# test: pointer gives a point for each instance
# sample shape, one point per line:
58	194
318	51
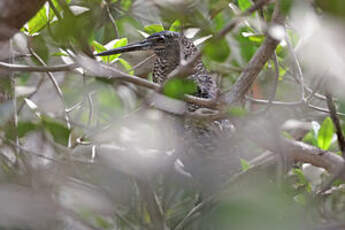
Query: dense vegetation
92	143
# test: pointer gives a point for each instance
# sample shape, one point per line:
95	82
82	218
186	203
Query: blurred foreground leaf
154	28
237	111
127	66
59	131
333	7
244	4
285	6
177	87
245	164
217	50
38	22
175	26
325	135
22	129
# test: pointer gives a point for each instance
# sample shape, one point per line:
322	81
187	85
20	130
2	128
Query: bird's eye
160	39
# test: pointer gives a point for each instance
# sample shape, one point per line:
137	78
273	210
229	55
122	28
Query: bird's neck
166	61
169	58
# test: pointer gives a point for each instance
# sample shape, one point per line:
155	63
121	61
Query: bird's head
160	43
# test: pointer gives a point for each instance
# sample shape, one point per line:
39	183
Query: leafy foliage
325	134
121	155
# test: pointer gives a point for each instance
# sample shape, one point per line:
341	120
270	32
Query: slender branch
152	204
275	103
112	20
26	68
336	122
323	110
14	100
341	140
38	86
255	65
56	86
308	89
297	67
143	62
292	103
276	79
314	92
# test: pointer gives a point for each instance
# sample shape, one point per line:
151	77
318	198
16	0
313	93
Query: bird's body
201	137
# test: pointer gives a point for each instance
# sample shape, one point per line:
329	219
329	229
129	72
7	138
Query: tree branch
26	68
255	65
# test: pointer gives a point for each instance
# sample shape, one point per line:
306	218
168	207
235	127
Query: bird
201	137
170	47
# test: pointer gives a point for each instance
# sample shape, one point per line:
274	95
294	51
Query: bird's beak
143	45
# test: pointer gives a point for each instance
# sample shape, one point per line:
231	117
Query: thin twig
340	137
276	79
14	100
25	68
323	110
275	103
142	62
297	68
314	92
308	89
56	86
91	108
56	12
336	122
112	20
38	86
152	204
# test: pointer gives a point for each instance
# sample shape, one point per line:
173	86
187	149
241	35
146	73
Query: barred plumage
202	138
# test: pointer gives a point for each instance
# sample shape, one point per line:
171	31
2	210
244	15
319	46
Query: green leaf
237	111
325	134
282	72
39	45
178	87
102	223
39	21
175	26
300	176
244	4
59	54
256	38
154	28
119	43
127	66
22	129
310	138
333	7
285	6
245	165
217	50
98	46
219	21
247	46
58	130
300	199
126	4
